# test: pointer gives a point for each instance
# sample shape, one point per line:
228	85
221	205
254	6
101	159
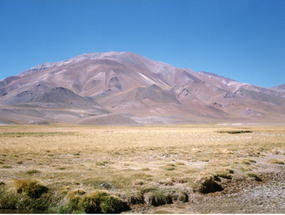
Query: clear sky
239	39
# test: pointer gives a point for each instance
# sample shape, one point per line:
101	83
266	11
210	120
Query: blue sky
240	39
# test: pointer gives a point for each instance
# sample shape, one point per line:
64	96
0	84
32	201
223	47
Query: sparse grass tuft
245	169
137	183
222	174
204	159
253	175
169	167
179	163
276	161
234	132
7	167
31	172
102	163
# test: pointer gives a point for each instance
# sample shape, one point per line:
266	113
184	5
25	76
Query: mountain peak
78	58
94	87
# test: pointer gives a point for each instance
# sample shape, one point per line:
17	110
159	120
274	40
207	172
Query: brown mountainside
125	88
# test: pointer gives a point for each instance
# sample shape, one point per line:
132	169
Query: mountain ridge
135	90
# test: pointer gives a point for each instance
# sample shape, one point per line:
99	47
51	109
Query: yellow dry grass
128	158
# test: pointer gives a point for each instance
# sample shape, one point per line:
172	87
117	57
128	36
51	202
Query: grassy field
64	169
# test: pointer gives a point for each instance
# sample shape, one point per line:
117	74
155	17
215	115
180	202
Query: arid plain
142	169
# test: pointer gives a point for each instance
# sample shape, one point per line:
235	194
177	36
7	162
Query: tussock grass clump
204	160
245	169
147	189
94	202
64	190
31	187
235	132
154	196
248	161
7	167
205	183
253	175
230	171
276	161
180	163
223	174
31	172
142	176
169	167
61	168
157	198
72	205
180	180
103	163
166	182
100	201
75	192
138	182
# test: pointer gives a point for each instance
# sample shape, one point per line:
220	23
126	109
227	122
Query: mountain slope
126	88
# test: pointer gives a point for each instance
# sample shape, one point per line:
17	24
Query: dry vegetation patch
151	165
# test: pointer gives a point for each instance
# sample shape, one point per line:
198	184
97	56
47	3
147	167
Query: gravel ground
261	199
240	196
269	199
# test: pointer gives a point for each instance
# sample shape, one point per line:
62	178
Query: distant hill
121	88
